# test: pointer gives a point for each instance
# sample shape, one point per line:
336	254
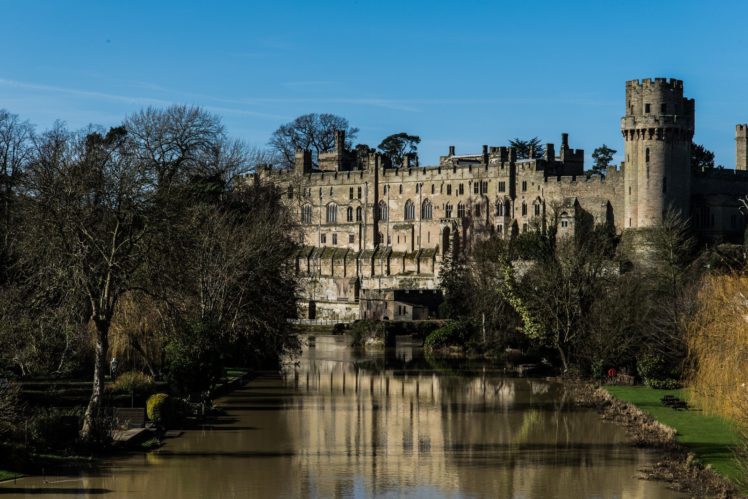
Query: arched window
349	214
426	210
306	214
507	208
499	209
410	210
358	214
448	211
524	208
332	213
460	210
537	208
383	211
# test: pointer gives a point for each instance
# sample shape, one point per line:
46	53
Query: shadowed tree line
143	238
578	302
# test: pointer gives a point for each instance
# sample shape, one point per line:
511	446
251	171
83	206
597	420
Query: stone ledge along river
340	424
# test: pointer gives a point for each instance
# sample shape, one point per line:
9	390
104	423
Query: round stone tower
657	129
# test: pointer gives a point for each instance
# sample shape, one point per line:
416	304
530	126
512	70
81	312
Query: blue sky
456	73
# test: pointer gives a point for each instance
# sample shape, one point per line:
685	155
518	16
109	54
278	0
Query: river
337	424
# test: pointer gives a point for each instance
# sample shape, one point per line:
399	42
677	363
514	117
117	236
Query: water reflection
337	424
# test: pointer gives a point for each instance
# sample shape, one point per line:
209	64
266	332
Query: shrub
664	384
194	361
656	371
160	409
452	333
9	406
362	330
54	428
133	382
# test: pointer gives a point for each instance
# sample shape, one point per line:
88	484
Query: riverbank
695	450
27	463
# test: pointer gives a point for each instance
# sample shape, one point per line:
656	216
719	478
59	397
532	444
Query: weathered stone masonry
372	227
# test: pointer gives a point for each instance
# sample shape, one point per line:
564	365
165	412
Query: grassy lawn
234	372
711	438
9	475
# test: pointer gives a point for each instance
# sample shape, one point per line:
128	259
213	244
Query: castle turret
657	129
741	147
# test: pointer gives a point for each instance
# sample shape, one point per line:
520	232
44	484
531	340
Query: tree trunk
93	410
564	362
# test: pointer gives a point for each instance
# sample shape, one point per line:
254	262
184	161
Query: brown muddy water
337	424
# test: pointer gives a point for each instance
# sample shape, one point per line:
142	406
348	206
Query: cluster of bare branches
137	233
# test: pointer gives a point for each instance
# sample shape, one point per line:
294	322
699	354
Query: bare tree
101	206
16	141
315	132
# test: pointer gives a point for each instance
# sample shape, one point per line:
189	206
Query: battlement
670	83
741	130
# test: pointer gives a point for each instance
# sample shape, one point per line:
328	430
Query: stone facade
368	226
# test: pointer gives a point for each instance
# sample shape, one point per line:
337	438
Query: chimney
451	150
303	161
564	141
485	154
550	152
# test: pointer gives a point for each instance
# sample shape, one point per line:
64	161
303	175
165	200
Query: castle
374	235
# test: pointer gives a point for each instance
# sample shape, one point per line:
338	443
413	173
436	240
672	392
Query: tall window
476	187
401	188
349	214
383	211
358	214
524	208
537	209
410	210
524	185
460	210
462	189
359	193
350	193
306	214
477	210
484	187
502	186
499	209
448	211
433	189
646	155
332	213
449	189
426	210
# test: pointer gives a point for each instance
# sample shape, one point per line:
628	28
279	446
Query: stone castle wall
367	226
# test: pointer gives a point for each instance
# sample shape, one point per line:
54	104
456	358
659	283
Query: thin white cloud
82	93
138	100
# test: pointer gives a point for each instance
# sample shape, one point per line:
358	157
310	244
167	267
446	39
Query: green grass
9	475
712	438
234	372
